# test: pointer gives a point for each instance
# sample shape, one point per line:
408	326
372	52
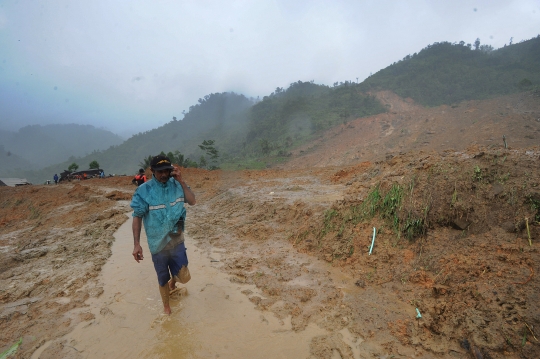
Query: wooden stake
528	231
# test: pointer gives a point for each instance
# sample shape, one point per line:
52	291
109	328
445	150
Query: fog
130	66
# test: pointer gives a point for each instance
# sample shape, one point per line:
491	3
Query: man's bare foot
167	310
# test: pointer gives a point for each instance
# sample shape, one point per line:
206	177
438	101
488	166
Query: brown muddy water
214	320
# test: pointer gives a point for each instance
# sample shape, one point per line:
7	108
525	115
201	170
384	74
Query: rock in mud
360	283
32	253
255	299
508	227
106	311
460	223
439	289
479	154
476	352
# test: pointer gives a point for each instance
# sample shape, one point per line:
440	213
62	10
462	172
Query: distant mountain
41	146
11	164
220	116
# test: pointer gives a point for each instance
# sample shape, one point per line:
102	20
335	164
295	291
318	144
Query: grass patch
34	213
535	204
388	205
477	173
328	224
300	237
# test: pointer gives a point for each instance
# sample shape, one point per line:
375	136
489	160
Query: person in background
159	204
102	174
139	178
55	178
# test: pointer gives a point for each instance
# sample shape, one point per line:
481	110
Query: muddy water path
213	320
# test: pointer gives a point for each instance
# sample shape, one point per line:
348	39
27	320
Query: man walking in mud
159	204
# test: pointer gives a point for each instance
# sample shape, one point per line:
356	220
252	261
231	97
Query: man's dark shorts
169	261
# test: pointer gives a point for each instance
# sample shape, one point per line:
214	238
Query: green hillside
288	117
445	73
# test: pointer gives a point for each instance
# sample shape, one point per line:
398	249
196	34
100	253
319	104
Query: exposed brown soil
408	127
456	247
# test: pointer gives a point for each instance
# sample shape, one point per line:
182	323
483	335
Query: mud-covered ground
457	238
469	268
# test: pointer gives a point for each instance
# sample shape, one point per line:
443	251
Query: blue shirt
160	205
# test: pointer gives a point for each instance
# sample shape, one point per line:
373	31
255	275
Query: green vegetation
446	73
145	163
477	176
94	165
176	159
328	226
73	167
208	147
535	204
288	117
387	204
11	350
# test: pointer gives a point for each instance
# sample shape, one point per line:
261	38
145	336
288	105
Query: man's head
161	167
141	171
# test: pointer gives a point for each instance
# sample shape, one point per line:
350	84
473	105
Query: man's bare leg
164	291
172	283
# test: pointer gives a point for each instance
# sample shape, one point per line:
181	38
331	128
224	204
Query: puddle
40	350
214	320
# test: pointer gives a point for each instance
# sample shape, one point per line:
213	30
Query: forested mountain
244	130
41	146
445	73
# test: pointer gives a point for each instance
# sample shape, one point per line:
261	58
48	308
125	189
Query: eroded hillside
408	127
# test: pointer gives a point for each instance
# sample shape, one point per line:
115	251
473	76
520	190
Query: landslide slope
409	127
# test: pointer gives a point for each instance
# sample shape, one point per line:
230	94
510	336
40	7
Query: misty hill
12	162
247	130
445	73
288	117
41	146
220	116
241	128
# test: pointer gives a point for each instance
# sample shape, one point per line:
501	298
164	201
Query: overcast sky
130	66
